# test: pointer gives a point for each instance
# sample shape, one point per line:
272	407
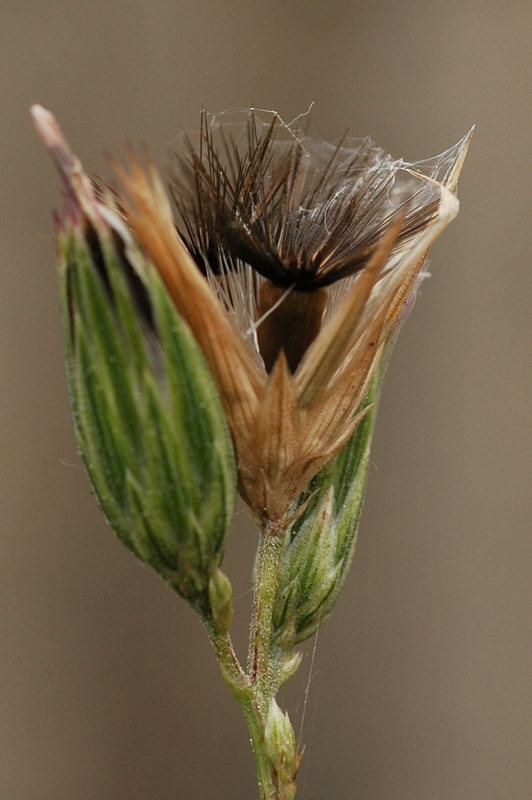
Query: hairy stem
255	690
240	686
269	556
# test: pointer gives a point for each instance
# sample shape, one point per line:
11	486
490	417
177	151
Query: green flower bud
320	545
150	427
221	600
289	666
280	744
149	423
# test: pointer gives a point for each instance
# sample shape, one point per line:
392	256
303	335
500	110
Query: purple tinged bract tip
78	185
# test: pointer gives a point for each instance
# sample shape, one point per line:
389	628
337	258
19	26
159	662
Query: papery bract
288	420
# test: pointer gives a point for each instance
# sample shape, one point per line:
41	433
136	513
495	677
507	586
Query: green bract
149	424
281	748
320	545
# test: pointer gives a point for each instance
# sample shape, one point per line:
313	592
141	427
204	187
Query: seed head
310	252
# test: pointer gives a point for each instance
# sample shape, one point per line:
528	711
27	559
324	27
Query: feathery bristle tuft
303	215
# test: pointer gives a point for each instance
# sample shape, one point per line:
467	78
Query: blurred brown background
421	685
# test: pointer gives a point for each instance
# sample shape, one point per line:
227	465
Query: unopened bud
221	600
280	742
319	547
149	423
289	666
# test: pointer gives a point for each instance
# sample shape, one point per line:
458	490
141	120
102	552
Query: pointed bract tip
50	132
78	186
43	119
463	146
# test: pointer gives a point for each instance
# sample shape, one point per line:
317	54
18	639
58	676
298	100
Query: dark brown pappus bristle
297	222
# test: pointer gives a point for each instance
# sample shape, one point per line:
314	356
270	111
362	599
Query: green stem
240	686
255	690
269	557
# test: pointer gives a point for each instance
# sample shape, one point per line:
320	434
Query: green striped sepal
149	423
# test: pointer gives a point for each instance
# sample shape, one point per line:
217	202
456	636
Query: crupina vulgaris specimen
236	343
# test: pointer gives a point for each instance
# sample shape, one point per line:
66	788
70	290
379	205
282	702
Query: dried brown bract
311	252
